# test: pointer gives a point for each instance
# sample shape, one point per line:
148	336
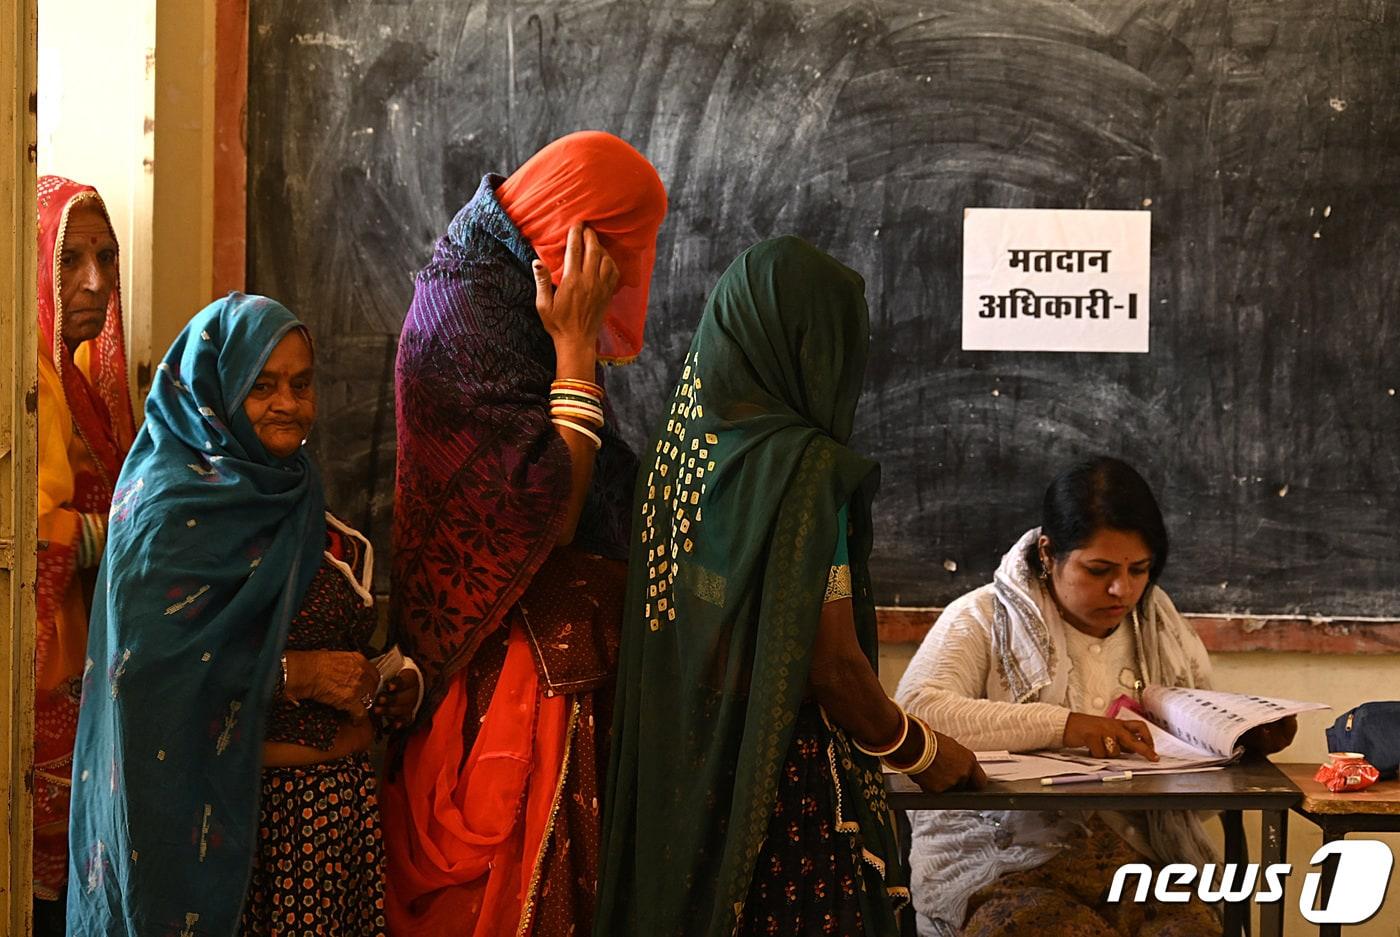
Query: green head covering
734	532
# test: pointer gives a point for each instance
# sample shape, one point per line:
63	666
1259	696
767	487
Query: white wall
126	104
95	93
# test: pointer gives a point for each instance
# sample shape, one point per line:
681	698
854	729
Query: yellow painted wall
184	167
1341	682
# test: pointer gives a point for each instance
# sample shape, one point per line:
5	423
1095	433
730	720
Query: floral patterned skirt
812	877
1066	896
320	863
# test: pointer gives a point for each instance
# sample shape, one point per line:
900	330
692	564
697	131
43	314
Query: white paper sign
1055	279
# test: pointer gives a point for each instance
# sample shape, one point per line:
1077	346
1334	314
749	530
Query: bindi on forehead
87	227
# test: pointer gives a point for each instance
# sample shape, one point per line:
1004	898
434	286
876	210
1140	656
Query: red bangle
583	387
889	749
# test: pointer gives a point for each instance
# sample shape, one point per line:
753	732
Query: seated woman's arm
845	685
945	683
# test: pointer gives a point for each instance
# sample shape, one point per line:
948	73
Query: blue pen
1081	778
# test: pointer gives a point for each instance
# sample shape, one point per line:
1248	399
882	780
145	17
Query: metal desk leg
1273	849
1329	874
1237	852
904	833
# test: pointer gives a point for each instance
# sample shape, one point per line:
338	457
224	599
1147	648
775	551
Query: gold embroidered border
838	584
527	910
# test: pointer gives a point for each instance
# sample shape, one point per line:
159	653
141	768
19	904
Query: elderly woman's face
1098	584
87	272
282	404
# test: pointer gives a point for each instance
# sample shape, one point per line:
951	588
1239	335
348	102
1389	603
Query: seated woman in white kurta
1073	620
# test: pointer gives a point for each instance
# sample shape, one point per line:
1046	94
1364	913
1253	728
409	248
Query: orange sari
467	866
491	815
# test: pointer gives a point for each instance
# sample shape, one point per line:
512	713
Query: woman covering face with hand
85	429
222	780
1073	620
510	528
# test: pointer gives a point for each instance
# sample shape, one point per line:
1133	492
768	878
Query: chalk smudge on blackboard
840	119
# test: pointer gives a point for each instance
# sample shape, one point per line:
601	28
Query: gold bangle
930	752
889	749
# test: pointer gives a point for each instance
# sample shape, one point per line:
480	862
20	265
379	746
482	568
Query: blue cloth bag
1373	730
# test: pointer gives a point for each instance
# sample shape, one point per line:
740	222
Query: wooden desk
1251	785
1374	810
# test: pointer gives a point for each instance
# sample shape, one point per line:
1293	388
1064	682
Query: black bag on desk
1372	729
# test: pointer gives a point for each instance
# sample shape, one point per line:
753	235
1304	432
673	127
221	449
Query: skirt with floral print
1068	896
320	863
808	879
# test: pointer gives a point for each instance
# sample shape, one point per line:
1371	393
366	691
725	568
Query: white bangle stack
573	403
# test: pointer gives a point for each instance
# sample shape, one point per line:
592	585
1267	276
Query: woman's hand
394	705
954	767
343	679
1109	738
1272	737
573	312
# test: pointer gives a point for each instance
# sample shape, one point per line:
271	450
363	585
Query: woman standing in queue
744	791
510	530
222	781
85	429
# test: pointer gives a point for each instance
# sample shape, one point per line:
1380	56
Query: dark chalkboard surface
1263	135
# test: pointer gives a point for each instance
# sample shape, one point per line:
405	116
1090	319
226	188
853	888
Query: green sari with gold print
734	532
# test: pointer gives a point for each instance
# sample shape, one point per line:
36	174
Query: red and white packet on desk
1348	771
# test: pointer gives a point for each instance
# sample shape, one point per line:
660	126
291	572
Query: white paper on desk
1030	767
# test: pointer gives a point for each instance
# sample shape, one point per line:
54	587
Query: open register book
1192	730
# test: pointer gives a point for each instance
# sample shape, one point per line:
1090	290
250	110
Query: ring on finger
1110	744
367	701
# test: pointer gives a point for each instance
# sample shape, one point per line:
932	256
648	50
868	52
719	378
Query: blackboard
1264	136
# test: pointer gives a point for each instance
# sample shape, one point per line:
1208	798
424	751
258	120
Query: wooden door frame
19	51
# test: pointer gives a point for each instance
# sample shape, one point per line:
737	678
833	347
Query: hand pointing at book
1109	738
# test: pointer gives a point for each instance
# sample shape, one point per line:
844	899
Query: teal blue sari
212	542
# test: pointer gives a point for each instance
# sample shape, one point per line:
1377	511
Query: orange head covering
599	180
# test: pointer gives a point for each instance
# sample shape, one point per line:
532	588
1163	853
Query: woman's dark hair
1096	494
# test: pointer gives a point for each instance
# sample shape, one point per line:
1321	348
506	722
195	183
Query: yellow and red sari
85	429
